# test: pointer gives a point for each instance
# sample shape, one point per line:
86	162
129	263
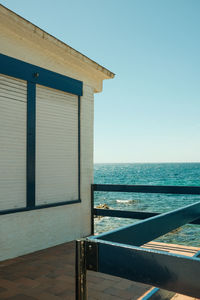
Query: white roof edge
105	73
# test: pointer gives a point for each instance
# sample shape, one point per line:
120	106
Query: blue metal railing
119	252
178	190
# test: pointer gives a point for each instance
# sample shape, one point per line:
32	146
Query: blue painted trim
31	131
19	69
36	75
117	213
172	272
155	189
157	290
197	254
150	294
23	209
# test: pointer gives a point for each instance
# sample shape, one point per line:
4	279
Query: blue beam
155	189
156	293
144	231
123	213
168	271
118	213
17	68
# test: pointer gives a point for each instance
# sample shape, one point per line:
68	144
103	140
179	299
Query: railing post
92	209
81	285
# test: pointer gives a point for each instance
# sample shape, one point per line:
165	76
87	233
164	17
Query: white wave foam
125	201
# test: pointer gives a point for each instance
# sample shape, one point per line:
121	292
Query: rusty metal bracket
92	256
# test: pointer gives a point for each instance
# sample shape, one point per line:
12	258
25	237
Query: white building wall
26	232
87	133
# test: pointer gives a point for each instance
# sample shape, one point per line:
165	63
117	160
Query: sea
182	174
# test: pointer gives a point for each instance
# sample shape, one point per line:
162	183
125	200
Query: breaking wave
125	201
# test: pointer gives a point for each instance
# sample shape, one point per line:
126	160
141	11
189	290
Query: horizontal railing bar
167	271
155	189
157	293
123	213
141	215
147	230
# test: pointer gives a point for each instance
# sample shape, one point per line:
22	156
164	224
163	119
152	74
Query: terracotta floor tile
9	293
21	297
7	284
2	289
65	278
26	283
50	275
59	287
67	295
47	296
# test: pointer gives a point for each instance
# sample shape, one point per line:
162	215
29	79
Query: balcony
120	264
122	252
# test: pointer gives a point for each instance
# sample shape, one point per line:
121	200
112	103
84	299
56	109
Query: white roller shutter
13	102
56	146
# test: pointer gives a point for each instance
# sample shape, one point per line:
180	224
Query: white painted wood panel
56	146
13	104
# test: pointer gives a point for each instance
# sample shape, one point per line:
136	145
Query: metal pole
81	285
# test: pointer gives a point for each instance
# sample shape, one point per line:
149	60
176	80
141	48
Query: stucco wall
26	232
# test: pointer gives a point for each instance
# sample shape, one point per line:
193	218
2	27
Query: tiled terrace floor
49	275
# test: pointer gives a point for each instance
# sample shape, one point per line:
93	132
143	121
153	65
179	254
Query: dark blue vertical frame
35	75
31	130
79	147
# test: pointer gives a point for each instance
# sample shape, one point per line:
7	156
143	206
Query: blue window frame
35	75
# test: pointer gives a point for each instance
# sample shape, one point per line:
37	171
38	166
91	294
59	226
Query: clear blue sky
150	112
